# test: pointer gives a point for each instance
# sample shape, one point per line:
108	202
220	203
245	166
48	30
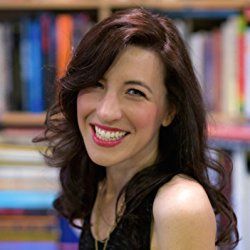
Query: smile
108	137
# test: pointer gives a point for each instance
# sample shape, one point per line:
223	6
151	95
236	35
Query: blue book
24	60
68	235
35	84
37	245
28	245
31	65
26	199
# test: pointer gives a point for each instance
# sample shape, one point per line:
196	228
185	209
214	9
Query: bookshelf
105	7
21	119
111	4
227	131
222	129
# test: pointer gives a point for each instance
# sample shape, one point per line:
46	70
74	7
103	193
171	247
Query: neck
119	175
116	180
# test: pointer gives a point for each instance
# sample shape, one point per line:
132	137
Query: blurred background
37	38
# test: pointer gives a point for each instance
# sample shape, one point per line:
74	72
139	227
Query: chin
102	161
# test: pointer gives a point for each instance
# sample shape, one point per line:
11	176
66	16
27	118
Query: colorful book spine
40	47
35	84
5	65
241	62
64	33
47	22
247	73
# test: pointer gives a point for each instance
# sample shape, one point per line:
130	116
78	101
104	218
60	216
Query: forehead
137	63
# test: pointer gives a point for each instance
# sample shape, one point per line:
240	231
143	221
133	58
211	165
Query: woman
129	134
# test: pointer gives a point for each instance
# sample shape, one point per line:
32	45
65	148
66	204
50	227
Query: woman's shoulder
182	209
181	193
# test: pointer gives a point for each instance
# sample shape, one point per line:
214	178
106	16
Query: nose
109	108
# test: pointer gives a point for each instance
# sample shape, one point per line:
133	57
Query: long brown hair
183	144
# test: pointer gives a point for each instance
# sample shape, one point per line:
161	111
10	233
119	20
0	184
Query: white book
38	172
196	43
20	155
183	28
229	67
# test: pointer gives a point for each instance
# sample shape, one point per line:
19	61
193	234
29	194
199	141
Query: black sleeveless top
87	241
123	237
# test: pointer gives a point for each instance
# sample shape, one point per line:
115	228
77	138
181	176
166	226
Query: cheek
85	103
146	117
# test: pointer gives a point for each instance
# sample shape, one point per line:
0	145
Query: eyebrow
134	82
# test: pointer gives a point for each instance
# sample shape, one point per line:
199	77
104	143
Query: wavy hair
182	145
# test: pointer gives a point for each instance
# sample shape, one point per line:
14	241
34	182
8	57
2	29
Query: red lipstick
104	143
108	128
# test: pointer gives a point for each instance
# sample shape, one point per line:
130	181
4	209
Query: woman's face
120	117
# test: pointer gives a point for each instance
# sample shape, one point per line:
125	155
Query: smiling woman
131	100
129	133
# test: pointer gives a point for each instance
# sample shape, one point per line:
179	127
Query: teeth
107	135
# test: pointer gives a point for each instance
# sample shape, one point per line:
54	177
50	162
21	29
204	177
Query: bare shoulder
183	215
181	194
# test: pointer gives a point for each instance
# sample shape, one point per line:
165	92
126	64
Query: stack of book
27	190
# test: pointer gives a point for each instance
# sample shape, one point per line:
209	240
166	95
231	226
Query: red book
217	69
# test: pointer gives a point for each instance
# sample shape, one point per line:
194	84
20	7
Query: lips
107	136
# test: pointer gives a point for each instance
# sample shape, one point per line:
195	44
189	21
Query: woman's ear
169	117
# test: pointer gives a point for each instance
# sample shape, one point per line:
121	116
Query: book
217	78
39	245
35	85
20	153
48	47
64	35
209	72
247	74
15	95
26	199
81	24
5	65
229	67
197	43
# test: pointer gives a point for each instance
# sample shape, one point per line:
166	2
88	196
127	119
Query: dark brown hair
183	144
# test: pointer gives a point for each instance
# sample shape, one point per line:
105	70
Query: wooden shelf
111	4
196	4
220	126
105	7
47	5
22	119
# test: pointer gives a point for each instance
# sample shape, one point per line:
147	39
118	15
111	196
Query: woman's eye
98	85
136	92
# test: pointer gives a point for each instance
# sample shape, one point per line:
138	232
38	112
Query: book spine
247	74
229	67
35	85
64	36
5	65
